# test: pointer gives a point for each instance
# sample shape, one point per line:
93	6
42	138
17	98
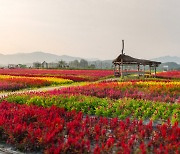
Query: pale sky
91	28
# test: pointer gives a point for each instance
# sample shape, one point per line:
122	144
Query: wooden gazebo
123	59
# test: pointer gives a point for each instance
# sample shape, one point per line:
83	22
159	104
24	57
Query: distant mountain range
170	65
25	58
166	59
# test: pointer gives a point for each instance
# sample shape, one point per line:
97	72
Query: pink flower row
169	74
13	84
75	75
6	86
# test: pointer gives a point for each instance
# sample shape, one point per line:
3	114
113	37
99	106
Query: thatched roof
130	60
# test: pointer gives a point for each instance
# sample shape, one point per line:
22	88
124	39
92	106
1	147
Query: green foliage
123	108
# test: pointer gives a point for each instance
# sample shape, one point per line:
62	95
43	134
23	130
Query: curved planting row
53	80
19	82
11	86
135	109
53	130
169	74
152	90
75	75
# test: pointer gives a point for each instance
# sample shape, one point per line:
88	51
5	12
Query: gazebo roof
130	60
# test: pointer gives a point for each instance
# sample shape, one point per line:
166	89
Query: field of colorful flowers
12	83
54	130
123	108
163	91
75	75
169	74
125	116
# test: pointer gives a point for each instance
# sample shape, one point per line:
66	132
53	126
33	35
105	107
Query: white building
53	65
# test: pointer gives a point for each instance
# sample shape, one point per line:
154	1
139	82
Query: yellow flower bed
51	79
153	83
55	80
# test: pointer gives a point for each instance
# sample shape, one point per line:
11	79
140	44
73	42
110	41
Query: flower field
169	74
74	75
122	108
16	79
54	130
163	91
133	116
12	83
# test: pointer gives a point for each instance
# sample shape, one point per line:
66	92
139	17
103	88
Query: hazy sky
91	28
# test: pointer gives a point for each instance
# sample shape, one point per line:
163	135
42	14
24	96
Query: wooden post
144	71
122	68
122	53
150	69
122	47
138	67
155	70
114	69
119	69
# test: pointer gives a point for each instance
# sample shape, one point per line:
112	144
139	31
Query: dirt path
8	151
3	94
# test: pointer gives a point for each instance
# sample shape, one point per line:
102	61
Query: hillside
166	59
23	58
171	66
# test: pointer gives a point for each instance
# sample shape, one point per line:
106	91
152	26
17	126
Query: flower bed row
11	86
53	80
151	90
75	75
134	109
19	82
169	74
54	130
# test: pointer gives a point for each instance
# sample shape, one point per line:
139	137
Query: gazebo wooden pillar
150	69
122	68
114	68
155	70
144	70
122	58
138	68
117	69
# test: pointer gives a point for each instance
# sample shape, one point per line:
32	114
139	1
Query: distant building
53	65
44	65
12	66
165	68
37	65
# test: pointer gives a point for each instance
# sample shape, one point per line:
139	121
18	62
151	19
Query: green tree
62	64
83	63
